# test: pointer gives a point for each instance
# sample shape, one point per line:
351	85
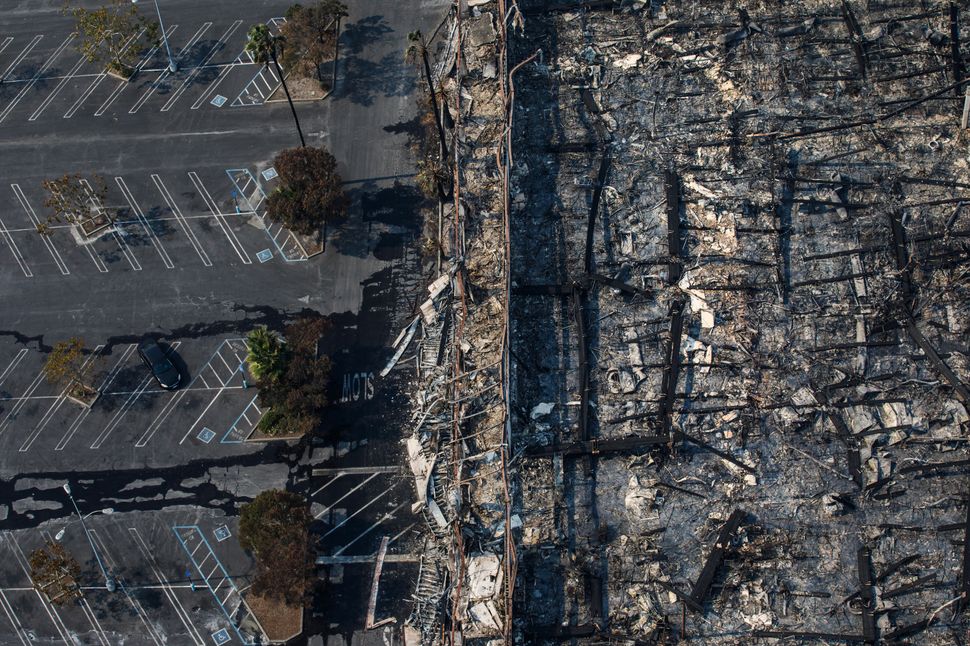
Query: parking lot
190	260
46	78
177	574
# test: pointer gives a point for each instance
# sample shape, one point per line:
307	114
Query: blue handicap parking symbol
264	255
206	434
221	637
219	100
222	533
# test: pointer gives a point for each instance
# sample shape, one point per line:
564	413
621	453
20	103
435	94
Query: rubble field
695	368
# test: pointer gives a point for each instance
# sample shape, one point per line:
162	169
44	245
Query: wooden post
966	109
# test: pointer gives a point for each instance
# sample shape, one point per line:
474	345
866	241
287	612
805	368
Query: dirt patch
301	89
279	621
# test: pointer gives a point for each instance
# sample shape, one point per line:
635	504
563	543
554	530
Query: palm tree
266	356
264	47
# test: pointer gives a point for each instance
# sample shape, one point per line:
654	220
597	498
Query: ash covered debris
739	281
694	364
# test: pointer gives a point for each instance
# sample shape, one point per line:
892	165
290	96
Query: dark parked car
164	371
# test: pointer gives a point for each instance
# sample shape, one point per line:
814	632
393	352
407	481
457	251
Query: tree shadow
398	207
357	35
361	81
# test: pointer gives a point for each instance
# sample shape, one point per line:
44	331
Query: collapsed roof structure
696	365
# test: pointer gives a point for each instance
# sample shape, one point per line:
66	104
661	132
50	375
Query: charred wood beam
941	367
590	104
909	588
906	274
589	5
672	371
965	574
616	284
906	631
836	279
562	633
542	290
674	238
867	594
714	560
933	466
683	596
858	40
719	453
798	634
594	210
579	316
572	147
597	446
956	61
856	344
855	461
890	570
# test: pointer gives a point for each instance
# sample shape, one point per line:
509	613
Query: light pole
172	67
109	581
108	510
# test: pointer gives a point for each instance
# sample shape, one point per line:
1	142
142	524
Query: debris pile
695	365
739	304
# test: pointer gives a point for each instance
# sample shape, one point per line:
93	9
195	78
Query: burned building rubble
695	368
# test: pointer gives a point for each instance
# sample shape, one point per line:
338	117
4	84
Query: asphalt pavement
191	262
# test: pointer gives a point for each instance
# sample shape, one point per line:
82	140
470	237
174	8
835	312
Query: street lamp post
109	581
108	510
172	67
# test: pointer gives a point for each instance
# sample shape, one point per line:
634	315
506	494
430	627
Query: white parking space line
133	205
199	418
36	222
93	620
113	423
113	566
213	370
23	54
13	364
183	615
51	611
347	519
377	524
98	78
118	236
165	73
54	407
6	111
219	217
123	84
339	500
57	89
127	406
96	259
22	402
181	219
11	615
5	43
244	58
330	482
5	235
212	52
83	415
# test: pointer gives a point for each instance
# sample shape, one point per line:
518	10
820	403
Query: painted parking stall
46	77
160	222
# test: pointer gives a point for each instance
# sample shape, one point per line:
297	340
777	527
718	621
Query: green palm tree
266	356
264	47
